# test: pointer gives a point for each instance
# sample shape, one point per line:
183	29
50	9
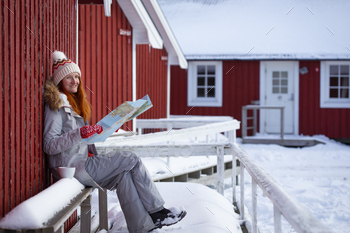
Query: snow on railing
285	205
300	218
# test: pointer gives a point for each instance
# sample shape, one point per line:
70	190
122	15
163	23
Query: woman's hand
89	130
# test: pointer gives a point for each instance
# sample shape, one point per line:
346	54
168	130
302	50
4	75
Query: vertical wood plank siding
334	123
30	30
152	80
240	87
105	59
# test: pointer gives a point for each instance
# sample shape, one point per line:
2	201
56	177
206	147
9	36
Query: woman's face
71	82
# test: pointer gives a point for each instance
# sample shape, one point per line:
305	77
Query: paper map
116	118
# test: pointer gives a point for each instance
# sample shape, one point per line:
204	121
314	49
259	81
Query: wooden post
244	122
234	165
282	123
277	219
242	190
85	224
103	208
220	169
254	207
255	125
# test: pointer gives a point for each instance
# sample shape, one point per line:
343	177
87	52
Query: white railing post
277	219
282	123
103	208
220	169
234	200
254	207
140	131
242	189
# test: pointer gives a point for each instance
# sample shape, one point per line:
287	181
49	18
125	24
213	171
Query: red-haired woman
65	126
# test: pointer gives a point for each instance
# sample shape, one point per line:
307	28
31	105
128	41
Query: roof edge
141	22
268	57
159	19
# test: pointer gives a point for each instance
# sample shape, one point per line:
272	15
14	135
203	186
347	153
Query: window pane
344	70
344	82
211	81
200	69
200	92
275	90
284	90
211	69
275	74
200	81
284	74
211	92
344	93
333	70
333	81
275	82
284	82
333	93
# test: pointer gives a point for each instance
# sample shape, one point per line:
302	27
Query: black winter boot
165	217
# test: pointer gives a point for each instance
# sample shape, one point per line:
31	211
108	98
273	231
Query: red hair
78	100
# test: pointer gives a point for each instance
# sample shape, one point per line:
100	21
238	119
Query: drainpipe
133	76
168	90
77	34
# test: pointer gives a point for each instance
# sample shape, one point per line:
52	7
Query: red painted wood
2	188
27	28
152	80
106	67
315	120
240	87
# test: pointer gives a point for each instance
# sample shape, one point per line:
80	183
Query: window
335	84
205	84
280	82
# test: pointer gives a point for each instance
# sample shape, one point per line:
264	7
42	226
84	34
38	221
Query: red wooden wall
240	87
105	59
30	30
334	123
152	80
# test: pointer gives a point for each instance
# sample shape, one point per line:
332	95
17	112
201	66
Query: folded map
116	118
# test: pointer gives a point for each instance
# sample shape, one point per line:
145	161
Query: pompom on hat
62	66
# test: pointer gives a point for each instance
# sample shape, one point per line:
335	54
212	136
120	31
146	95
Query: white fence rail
301	219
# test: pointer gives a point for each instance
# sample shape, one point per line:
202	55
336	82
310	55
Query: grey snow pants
137	193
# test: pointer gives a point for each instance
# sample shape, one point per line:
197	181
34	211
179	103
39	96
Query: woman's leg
126	172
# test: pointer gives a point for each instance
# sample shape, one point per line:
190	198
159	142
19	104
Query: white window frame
325	101
192	99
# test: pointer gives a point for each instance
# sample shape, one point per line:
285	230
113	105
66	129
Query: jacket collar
55	99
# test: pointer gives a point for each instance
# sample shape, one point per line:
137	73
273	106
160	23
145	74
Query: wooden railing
300	219
285	205
245	118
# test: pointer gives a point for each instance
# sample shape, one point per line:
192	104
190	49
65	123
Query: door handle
291	97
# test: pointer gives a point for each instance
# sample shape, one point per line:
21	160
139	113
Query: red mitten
89	130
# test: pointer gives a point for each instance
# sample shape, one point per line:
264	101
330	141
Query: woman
65	126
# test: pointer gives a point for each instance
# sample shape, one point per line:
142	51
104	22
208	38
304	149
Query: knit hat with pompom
62	66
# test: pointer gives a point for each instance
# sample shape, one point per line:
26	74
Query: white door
279	91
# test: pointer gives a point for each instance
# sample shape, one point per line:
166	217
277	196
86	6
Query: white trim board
144	30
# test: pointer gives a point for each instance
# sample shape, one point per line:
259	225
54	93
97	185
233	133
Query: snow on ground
318	177
207	211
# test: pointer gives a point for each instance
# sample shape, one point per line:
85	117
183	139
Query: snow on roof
269	29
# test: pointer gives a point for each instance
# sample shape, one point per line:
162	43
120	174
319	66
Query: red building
265	53
122	57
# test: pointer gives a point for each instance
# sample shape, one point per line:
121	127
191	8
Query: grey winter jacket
61	137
